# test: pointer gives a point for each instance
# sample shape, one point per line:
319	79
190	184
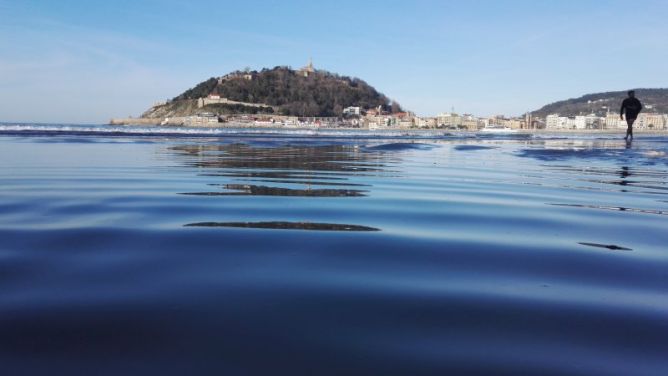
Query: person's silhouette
632	107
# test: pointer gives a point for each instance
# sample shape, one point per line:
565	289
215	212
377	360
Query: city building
613	121
426	122
651	121
352	111
448	120
470	122
554	121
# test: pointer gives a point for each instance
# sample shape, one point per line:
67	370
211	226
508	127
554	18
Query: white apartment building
426	122
651	121
613	121
448	119
352	111
645	121
555	121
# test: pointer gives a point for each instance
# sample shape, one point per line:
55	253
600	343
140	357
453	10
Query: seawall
176	120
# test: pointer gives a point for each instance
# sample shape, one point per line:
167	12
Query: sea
209	251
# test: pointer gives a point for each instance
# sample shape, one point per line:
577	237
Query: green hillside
290	92
655	100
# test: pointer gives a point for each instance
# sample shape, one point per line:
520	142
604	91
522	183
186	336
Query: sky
86	61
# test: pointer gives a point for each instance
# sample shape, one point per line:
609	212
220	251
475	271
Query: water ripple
228	253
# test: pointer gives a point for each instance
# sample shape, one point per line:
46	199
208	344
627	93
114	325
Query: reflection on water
597	165
614	208
293	164
259	190
563	149
328	158
618	150
286	226
305	182
287	170
314	256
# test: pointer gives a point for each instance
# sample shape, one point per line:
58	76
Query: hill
281	90
655	100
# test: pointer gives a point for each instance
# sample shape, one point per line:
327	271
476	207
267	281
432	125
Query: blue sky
87	61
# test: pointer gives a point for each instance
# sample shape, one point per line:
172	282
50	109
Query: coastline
238	125
212	127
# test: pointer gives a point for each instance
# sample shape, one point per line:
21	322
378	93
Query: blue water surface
172	251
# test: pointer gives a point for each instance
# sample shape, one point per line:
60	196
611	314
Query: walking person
632	107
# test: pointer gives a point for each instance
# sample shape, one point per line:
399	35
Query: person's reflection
624	173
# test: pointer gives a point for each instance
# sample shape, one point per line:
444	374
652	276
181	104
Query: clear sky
85	61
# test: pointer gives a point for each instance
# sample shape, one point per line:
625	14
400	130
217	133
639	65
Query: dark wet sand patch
398	146
473	147
287	226
611	247
259	190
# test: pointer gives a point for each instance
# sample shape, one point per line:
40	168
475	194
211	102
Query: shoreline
253	126
242	126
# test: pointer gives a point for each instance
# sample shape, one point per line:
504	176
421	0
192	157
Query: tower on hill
308	69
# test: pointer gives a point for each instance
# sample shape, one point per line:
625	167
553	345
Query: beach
172	250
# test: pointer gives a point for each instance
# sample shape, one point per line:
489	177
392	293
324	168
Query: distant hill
281	90
655	100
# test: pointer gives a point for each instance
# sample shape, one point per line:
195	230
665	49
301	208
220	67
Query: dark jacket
632	107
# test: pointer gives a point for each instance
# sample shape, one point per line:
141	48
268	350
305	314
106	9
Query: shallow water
180	251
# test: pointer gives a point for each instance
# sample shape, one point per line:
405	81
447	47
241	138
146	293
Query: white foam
654	154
